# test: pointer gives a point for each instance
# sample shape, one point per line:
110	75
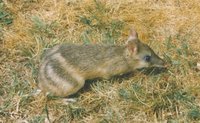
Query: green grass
96	21
6	19
5	16
149	95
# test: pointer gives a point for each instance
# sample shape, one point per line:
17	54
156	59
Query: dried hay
42	22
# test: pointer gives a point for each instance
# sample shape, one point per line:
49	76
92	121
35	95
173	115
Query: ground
171	28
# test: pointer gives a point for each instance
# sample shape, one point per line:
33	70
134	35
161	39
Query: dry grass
171	27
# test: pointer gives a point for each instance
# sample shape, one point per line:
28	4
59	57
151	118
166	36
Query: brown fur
65	67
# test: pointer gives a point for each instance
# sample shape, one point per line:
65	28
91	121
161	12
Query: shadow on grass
119	78
152	71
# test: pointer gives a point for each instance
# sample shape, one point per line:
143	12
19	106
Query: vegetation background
172	28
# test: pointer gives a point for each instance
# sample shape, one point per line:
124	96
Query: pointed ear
132	47
133	34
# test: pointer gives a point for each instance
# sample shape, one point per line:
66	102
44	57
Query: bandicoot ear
132	47
132	43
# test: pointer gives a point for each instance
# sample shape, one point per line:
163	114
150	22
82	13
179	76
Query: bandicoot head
141	54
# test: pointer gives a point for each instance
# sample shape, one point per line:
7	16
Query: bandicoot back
65	67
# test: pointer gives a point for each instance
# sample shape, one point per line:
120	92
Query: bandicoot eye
147	58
